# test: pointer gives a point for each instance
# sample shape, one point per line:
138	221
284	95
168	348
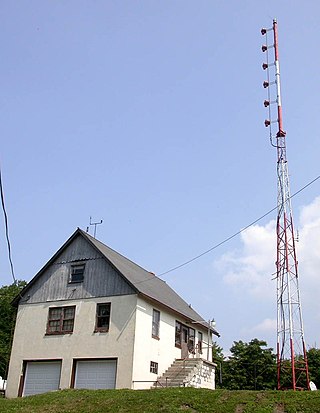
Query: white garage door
41	377
96	374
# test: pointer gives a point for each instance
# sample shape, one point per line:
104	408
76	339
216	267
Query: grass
182	400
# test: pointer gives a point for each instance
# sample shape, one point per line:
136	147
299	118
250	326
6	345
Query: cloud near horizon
251	267
266	327
249	270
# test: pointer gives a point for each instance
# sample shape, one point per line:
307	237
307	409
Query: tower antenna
292	363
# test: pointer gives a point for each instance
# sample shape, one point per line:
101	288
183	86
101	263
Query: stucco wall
31	343
147	348
204	376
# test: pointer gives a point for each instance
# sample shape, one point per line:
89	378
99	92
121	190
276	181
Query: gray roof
147	283
143	282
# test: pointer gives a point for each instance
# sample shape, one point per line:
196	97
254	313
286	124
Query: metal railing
155	382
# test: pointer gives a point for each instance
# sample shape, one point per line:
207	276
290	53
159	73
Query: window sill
155	337
101	330
58	333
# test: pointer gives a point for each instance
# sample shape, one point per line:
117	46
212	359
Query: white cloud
308	248
252	266
267	326
248	271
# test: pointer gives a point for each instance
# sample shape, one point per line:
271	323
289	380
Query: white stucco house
93	319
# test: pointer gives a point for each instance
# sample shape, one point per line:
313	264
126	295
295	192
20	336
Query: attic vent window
77	273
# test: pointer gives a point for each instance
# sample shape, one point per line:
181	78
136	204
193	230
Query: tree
313	355
218	358
250	367
7	322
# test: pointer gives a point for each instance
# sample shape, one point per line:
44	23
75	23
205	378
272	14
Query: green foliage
171	400
7	322
250	367
218	358
217	353
313	356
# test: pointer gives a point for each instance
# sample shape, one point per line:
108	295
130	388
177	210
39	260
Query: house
92	318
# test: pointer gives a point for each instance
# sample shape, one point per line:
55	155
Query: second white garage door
95	374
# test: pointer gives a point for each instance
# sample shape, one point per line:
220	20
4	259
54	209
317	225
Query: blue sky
149	115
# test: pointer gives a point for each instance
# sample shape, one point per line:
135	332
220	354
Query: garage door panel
96	374
41	377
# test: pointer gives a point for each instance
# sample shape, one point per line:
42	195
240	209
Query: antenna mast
95	226
292	364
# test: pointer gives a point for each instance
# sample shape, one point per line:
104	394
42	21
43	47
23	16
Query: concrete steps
179	373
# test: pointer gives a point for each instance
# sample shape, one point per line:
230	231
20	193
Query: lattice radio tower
292	364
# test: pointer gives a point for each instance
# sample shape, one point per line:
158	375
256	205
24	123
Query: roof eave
15	301
189	319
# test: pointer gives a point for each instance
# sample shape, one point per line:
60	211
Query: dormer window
77	273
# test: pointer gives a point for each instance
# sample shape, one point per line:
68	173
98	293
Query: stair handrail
172	376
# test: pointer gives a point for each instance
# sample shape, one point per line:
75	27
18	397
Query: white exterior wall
147	348
204	377
129	340
31	343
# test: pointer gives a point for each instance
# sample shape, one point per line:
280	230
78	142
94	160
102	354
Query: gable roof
142	281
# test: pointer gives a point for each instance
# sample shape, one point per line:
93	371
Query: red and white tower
292	364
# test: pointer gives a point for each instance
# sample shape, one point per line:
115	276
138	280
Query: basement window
153	367
77	272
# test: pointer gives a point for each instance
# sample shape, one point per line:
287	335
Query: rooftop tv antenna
95	226
292	363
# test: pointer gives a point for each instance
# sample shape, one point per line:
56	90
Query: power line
6	227
236	233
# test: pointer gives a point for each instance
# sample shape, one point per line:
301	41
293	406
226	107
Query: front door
184	342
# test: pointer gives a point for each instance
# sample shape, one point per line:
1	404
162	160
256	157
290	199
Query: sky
149	115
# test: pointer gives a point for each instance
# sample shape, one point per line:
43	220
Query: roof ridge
93	239
142	281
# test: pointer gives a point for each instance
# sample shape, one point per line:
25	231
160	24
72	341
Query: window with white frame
156	324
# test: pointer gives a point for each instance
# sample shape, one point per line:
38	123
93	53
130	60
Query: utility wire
236	233
6	228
